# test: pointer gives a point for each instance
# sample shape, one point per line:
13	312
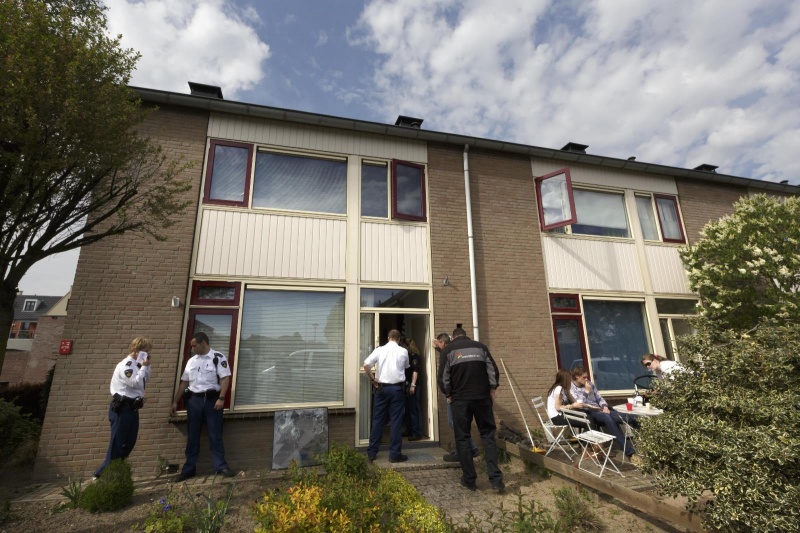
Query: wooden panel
574	263
293	135
666	269
234	243
394	253
608	177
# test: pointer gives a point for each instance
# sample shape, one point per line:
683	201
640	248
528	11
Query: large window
664	209
228	173
408	191
291	348
300	183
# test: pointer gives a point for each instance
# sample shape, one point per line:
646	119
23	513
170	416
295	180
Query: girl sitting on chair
559	397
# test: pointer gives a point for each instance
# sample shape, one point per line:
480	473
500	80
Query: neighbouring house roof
302	117
42	306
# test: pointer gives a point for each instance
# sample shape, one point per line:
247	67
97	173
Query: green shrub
166	517
26	396
112	491
525	518
575	510
19	435
208	513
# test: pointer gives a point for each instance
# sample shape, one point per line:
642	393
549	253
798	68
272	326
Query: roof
303	117
43	305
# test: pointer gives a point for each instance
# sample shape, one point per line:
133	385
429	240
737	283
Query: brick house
310	236
32	341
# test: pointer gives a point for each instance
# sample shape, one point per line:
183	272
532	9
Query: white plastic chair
578	422
629	433
555	434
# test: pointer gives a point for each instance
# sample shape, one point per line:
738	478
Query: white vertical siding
609	177
574	263
234	243
666	269
309	137
394	253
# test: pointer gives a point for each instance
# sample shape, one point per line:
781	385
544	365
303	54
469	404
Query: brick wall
14	367
122	289
513	311
44	352
704	201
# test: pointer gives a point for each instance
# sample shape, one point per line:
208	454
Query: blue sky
678	83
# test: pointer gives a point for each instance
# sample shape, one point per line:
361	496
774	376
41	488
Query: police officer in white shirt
127	397
392	361
203	386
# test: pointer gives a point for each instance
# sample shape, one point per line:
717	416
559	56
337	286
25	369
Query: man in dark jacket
468	377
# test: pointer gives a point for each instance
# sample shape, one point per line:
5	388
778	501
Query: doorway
374	329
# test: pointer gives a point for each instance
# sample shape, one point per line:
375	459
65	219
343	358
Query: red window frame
538	184
210	171
579	320
195	300
423	197
556	309
187	350
674	201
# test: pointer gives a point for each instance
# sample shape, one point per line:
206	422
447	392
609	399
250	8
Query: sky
678	83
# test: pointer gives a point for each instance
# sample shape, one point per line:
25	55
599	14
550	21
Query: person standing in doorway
203	386
442	340
127	397
469	377
413	425
388	380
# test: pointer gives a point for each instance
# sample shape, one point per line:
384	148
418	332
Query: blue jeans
201	411
609	420
389	399
412	410
124	432
472	446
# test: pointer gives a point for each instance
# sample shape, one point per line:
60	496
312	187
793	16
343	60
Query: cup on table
629	404
648	405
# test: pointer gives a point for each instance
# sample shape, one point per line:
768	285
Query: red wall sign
65	348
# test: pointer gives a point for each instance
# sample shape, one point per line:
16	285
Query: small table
638	410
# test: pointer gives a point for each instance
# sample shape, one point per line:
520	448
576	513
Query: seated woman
660	366
559	397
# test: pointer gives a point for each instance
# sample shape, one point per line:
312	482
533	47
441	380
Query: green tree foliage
747	266
112	491
729	439
19	436
74	168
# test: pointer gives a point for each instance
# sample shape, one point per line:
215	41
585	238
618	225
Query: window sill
627	240
233	415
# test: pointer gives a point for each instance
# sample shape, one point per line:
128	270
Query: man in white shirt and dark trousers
392	361
203	386
127	397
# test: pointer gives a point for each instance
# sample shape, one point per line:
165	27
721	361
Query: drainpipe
470	240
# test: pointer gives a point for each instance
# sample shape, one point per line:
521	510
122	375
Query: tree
73	167
747	266
729	438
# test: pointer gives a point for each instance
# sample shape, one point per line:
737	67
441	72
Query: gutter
471	240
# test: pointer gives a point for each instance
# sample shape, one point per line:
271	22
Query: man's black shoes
183	476
415	438
469	486
226	473
403	458
451	457
499	487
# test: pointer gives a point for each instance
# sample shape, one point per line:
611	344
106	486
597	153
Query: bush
166	517
575	510
112	491
730	433
19	435
28	397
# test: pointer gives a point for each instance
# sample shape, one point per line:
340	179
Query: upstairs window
556	203
659	217
408	191
374	189
300	183
228	173
29	305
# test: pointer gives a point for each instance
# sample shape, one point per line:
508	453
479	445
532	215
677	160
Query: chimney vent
632	158
575	147
705	167
408	122
785	182
206	91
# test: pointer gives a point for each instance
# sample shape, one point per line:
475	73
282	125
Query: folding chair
578	421
555	434
629	433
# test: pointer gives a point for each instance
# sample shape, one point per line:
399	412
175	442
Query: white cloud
679	83
208	41
322	38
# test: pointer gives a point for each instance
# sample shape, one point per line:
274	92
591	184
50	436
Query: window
220	326
227	174
408	191
217	293
291	349
374	190
617	337
556	203
673	320
29	305
565	303
300	183
22	330
669	225
570	344
409	299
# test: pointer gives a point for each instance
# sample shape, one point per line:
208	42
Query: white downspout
470	240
